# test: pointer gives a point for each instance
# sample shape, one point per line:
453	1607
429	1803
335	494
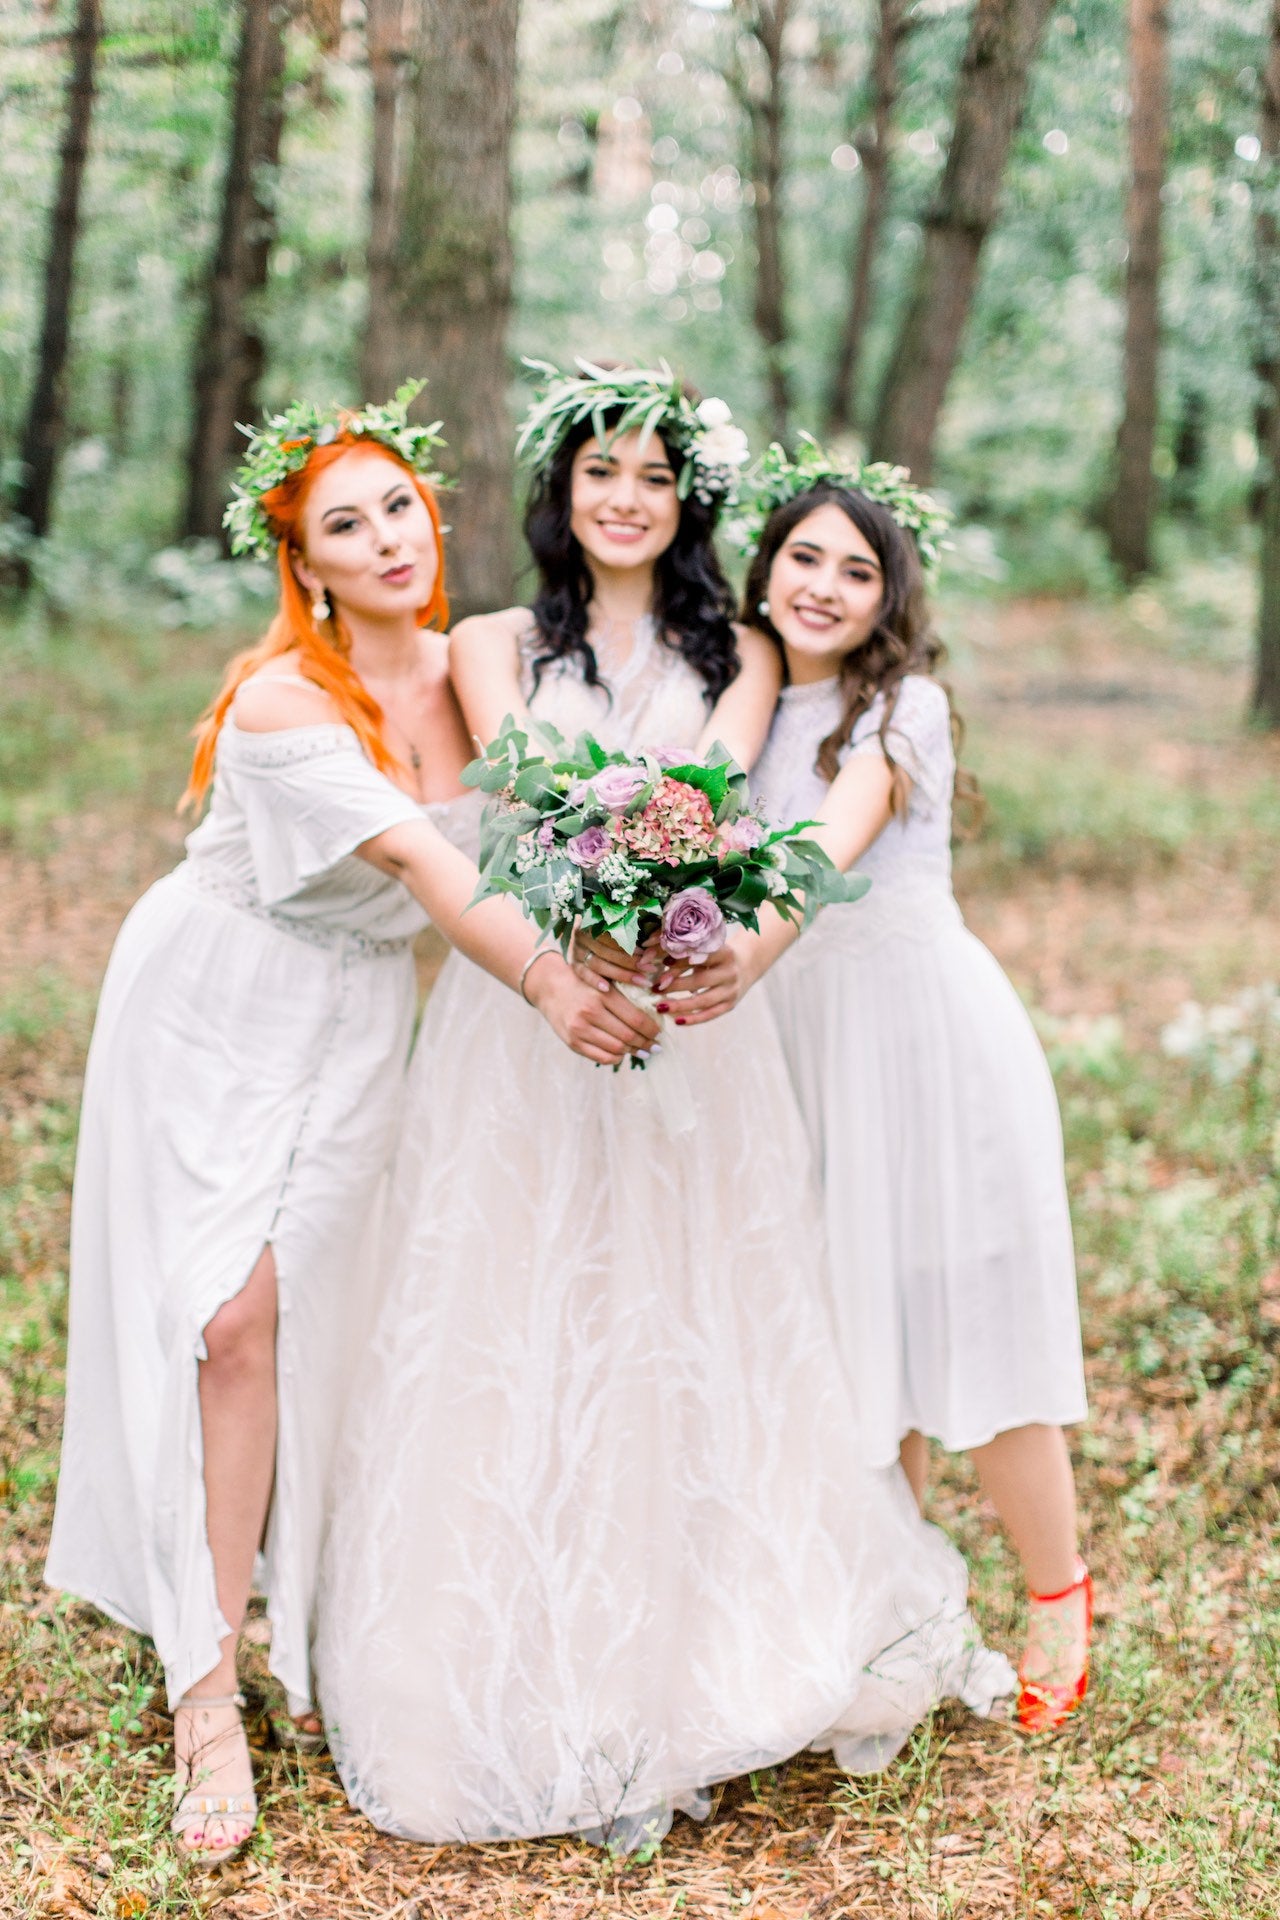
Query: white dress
602	1534
242	1088
930	1110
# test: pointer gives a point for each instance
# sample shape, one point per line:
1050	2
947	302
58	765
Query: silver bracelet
539	953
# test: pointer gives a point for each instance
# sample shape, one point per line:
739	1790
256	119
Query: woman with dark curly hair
603	1536
929	1105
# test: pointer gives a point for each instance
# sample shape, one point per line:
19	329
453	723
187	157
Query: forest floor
1129	864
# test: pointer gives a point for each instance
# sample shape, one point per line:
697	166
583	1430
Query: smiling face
623	506
826	589
368	541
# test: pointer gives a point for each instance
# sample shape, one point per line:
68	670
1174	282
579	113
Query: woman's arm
603	1026
743	714
855	812
484	665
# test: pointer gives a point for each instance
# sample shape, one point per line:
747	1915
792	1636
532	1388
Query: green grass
97	716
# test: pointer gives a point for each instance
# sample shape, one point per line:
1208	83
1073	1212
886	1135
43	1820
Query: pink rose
589	847
693	926
617	787
741	836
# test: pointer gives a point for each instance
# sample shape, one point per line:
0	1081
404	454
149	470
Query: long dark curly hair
693	603
902	641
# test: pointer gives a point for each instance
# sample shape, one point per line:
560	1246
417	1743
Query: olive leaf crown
285	442
777	478
620	400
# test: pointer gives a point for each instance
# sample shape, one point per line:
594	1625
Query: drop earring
320	607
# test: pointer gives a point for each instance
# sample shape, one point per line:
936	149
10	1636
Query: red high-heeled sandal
1043	1706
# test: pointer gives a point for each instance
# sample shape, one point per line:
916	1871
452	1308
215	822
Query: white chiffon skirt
933	1122
603	1531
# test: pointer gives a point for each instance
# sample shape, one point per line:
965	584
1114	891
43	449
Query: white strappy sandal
194	1810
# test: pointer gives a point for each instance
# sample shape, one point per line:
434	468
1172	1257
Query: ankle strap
212	1700
1081	1580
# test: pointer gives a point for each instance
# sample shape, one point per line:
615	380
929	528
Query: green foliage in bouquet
625	845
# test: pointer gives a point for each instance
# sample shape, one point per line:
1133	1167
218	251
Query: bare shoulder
273	703
757	651
486	636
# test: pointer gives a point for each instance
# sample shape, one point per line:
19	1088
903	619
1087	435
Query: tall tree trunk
42	436
1266	687
453	270
873	151
990	99
387	43
765	108
1132	505
230	353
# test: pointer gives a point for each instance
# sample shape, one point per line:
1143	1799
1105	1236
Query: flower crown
777	478
286	441
619	400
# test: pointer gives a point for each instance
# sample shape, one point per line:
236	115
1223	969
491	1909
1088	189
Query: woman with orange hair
242	1088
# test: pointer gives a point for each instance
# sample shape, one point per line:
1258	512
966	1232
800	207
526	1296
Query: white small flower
776	883
722	446
528	853
713	412
619	877
1185	1034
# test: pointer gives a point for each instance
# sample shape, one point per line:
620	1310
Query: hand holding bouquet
639	849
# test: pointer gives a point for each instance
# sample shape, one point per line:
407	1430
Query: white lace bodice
909	865
651	696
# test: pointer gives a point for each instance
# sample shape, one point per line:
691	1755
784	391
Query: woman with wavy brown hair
243	1088
929	1105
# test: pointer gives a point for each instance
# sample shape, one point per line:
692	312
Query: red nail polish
680	1022
663	1007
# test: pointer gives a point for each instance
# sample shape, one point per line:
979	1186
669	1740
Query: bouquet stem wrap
667	1076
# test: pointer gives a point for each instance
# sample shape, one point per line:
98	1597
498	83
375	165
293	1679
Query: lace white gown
242	1089
603	1532
930	1111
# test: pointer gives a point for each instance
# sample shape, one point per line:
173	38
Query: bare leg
238	1417
914	1455
1026	1474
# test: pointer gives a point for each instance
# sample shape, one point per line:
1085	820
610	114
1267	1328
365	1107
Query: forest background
1033	250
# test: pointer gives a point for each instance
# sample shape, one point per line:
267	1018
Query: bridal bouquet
640	845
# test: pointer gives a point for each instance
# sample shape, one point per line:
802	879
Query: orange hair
322	659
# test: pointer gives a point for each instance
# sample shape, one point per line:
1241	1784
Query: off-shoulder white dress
242	1090
605	1533
930	1111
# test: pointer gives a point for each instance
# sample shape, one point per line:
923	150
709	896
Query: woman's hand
597	959
692	995
594	1019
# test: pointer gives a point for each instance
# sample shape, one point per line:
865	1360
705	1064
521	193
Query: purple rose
590	846
742	836
578	794
692	926
617	787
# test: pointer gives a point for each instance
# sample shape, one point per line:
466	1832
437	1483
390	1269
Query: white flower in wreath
713	413
722	446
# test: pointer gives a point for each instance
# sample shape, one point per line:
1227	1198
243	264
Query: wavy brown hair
902	641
